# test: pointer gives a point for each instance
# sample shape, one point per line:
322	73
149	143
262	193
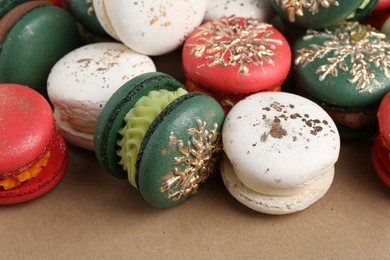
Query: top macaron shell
167	23
319	14
257	9
335	68
81	82
384	118
278	140
382	5
26	127
222	56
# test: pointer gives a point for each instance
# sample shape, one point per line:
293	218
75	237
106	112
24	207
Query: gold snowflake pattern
198	158
295	7
233	41
364	46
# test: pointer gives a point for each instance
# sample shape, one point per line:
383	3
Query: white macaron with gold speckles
257	9
280	152
150	27
80	84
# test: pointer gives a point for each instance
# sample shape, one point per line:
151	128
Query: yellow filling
28	174
138	120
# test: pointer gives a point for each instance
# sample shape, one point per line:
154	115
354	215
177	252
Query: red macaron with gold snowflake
234	57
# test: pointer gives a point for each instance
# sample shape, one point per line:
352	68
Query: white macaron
150	27
280	151
257	9
82	81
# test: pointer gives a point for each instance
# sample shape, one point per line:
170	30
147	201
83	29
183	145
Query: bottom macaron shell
272	204
381	161
347	133
45	181
181	150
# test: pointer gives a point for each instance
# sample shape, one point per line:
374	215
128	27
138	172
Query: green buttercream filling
138	120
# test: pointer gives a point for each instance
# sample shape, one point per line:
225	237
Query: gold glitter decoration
231	41
295	7
198	159
90	10
361	46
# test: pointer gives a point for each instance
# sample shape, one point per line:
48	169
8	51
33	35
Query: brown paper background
92	215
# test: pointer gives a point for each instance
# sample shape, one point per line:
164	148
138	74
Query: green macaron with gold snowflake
346	69
161	138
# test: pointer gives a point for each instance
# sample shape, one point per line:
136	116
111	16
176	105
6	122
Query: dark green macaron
346	69
318	14
6	5
33	37
164	140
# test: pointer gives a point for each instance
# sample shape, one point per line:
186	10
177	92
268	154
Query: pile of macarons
271	88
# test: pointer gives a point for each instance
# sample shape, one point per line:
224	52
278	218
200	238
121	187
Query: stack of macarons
33	155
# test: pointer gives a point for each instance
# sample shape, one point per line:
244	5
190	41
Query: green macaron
165	140
318	14
6	5
33	37
346	69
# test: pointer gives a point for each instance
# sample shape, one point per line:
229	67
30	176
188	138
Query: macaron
317	14
280	152
381	146
33	36
234	57
383	5
84	13
345	69
33	155
155	28
164	140
82	81
257	9
6	5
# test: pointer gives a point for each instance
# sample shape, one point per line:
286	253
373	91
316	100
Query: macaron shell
257	9
85	14
46	180
102	16
279	140
338	90
6	5
384	118
195	119
276	205
263	73
381	161
26	127
167	22
111	118
33	45
318	16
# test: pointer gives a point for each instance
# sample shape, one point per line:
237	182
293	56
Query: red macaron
381	147
234	57
33	155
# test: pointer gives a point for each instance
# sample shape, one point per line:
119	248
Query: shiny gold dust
295	7
352	48
90	9
232	41
196	162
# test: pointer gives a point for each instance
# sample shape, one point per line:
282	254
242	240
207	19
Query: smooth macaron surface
322	14
28	136
344	66
166	22
82	81
179	148
281	144
384	118
235	56
34	35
